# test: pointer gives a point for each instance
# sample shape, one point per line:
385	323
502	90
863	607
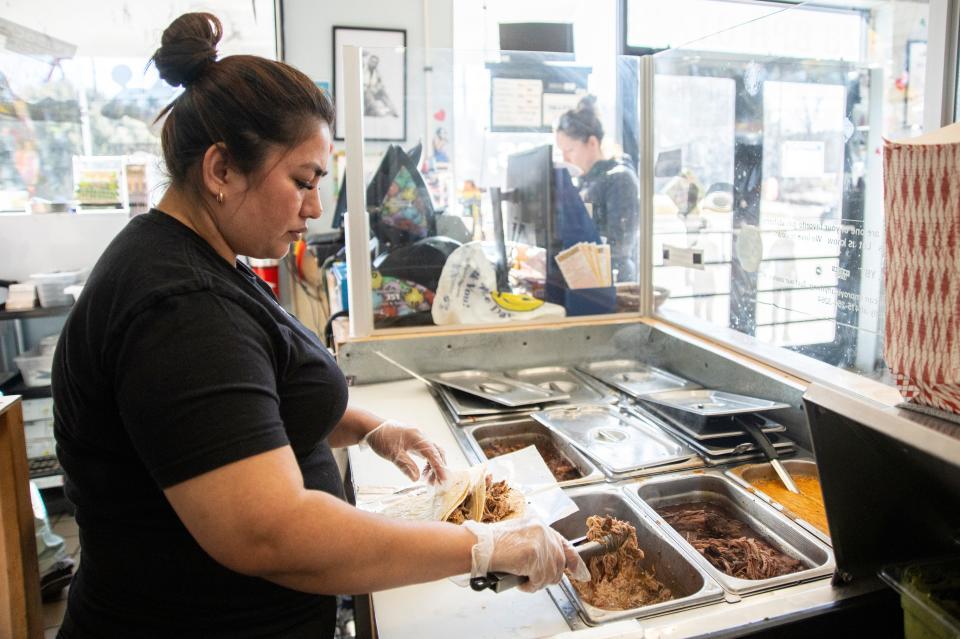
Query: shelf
27	392
35	312
50	481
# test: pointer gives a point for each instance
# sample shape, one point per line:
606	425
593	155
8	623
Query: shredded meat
463	512
728	543
560	466
495	506
617	580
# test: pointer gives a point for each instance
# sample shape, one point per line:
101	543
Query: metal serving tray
713	487
689	583
712	428
634	378
619	443
715	451
703	408
581	389
497	388
746	475
529	431
465	407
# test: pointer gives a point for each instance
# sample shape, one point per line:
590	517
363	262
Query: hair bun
587	103
187	46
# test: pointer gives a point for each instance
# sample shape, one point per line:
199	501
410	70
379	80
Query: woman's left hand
396	441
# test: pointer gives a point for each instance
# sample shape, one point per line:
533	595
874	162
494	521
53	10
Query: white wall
308	45
54	241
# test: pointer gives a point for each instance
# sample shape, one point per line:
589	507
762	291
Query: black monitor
530	209
555	38
524	211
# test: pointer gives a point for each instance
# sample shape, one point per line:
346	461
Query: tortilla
487	501
459	485
467	493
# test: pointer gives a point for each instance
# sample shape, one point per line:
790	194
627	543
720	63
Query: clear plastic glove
525	547
396	441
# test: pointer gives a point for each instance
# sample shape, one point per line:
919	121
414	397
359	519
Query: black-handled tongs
500	581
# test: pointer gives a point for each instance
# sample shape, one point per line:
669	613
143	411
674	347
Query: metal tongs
500	581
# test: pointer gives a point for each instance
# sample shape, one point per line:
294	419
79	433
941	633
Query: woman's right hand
525	547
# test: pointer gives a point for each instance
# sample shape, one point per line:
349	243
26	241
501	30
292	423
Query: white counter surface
443	609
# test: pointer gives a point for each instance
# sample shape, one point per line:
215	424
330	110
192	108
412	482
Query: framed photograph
384	81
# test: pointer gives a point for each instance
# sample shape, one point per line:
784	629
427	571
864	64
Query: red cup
268	270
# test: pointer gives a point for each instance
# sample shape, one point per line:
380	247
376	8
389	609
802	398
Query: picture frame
385	81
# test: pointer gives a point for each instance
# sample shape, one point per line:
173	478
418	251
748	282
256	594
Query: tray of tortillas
510	486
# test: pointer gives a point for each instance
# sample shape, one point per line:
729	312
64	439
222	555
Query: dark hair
247	103
582	122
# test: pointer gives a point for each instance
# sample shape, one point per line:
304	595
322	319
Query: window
769	212
75	90
813	32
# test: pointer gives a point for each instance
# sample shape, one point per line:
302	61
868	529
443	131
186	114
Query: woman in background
609	186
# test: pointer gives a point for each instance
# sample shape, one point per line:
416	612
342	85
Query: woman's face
582	155
273	206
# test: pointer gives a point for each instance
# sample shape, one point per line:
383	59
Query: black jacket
612	189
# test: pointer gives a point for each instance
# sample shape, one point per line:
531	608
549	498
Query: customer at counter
609	186
195	417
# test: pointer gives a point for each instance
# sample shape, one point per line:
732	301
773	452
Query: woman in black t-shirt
195	418
609	186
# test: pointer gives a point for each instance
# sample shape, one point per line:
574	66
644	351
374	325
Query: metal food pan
496	388
528	430
714	452
581	388
464	406
689	583
701	428
713	487
635	378
706	410
747	474
621	444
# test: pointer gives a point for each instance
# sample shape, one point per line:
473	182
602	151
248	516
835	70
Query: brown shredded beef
728	544
559	465
495	506
617	580
463	512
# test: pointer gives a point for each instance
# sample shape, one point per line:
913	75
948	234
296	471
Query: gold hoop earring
220	197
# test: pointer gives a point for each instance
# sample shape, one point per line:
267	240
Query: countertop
443	609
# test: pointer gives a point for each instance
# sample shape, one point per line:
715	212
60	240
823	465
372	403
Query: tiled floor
66	527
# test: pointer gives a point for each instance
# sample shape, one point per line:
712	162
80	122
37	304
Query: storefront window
716	25
77	101
768	188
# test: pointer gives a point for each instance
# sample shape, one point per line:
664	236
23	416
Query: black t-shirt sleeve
195	381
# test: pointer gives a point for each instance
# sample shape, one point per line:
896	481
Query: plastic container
50	287
48	344
930	596
35	368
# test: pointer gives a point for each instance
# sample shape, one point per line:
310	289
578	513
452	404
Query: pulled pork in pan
617	580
